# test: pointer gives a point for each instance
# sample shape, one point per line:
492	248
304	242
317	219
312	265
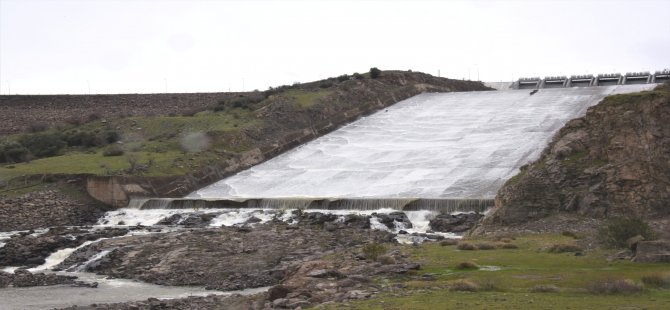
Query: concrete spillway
450	146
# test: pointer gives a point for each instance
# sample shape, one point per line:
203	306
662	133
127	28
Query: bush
358	76
467	246
509	246
544	288
373	250
657	280
90	139
616	232
564	248
375	73
13	152
114	150
38	126
43	144
463	285
343	78
448	241
571	234
486	246
74	120
79	138
467	265
614	286
488	284
326	85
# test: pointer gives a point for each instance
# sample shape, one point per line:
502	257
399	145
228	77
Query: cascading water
457	146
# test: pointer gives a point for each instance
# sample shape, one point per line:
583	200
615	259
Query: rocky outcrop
47	208
229	258
614	161
30	250
652	251
456	223
24	278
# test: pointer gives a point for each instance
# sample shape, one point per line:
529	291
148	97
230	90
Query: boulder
653	251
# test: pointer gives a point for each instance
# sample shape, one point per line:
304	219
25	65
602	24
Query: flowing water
461	145
108	291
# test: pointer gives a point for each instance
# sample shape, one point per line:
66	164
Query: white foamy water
93	259
58	257
450	145
239	216
6	235
134	217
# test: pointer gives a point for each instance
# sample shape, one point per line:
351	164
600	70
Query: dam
433	151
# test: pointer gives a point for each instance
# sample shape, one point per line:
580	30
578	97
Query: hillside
613	162
178	153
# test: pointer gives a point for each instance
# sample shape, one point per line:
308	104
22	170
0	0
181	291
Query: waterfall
353	204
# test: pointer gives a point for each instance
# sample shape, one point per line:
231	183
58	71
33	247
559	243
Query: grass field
507	276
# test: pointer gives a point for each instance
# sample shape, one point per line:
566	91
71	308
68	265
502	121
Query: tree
375	73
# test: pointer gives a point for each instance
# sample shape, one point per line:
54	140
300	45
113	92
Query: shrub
373	250
564	248
13	152
38	126
79	138
114	150
616	232
74	120
486	246
446	242
386	259
343	78
488	284
358	76
93	117
43	144
657	280
326	85
544	288
375	73
463	285
466	246
467	265
509	246
570	234
614	286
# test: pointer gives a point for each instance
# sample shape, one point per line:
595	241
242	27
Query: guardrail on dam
610	79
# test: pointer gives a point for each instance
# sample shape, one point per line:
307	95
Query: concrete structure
661	76
452	147
588	80
637	78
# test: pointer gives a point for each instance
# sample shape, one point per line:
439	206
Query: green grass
149	139
304	99
166	163
520	269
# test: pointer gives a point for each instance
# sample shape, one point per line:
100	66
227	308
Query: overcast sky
187	46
